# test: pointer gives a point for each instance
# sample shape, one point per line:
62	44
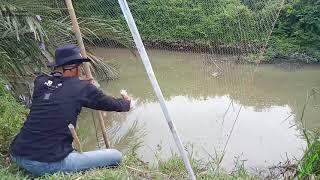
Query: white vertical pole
145	59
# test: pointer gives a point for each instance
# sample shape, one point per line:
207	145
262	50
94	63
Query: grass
309	165
133	168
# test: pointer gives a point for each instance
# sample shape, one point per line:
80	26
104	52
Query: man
44	145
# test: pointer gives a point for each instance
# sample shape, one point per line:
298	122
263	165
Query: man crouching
44	144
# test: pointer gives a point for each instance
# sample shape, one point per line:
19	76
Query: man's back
44	144
57	101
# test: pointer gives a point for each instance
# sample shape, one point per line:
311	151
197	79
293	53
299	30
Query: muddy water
248	112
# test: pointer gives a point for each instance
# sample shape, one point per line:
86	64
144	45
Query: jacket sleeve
95	99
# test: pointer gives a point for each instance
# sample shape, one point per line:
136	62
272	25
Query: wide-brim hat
67	55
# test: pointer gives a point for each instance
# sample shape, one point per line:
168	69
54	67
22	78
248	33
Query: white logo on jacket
48	83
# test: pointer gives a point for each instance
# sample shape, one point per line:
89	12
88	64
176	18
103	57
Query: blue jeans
75	161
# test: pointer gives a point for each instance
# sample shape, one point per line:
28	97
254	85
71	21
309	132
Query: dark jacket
57	101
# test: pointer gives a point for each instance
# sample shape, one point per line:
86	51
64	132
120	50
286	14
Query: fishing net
218	36
199	49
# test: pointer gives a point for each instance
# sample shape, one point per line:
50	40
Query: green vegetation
297	33
241	24
133	168
310	164
12	115
31	30
203	22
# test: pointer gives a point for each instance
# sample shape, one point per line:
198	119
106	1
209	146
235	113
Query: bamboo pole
75	137
146	62
87	70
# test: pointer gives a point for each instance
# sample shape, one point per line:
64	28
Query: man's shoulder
79	81
81	85
41	77
71	82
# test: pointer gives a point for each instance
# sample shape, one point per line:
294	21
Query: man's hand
124	95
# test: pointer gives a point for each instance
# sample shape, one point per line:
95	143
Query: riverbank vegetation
309	165
133	168
296	37
223	26
12	114
227	27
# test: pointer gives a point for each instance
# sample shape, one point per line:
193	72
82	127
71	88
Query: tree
30	30
298	30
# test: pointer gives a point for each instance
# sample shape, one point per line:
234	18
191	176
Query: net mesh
212	46
220	27
208	47
218	34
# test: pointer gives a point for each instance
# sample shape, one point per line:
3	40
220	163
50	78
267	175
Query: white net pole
145	59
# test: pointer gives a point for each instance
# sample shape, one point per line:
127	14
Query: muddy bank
246	52
201	47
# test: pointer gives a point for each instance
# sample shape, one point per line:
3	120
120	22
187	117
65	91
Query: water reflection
204	122
122	134
204	99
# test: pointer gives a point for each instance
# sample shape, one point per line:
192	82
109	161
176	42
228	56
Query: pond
250	112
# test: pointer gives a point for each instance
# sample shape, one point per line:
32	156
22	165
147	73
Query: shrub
12	115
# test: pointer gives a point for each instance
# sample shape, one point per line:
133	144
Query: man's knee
115	156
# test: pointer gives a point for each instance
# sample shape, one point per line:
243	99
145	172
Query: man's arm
95	99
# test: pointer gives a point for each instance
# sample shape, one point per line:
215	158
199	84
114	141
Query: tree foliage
298	30
220	21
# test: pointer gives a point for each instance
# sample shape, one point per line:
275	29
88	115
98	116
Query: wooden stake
103	128
87	70
75	137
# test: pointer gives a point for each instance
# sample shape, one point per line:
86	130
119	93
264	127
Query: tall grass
309	165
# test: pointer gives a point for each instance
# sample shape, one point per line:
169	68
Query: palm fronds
100	29
101	69
30	31
20	57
